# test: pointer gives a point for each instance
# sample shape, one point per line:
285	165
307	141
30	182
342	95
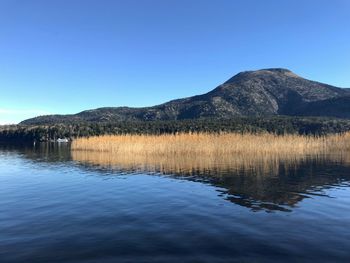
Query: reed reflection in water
261	164
256	181
216	208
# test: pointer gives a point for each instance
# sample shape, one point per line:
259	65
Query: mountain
266	92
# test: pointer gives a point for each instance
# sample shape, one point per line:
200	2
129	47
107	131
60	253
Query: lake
58	206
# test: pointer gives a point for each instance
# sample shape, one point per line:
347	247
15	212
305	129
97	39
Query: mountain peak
262	73
277	70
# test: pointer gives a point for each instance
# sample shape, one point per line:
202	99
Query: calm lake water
55	207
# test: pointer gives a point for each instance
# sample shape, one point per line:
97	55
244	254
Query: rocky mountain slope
265	92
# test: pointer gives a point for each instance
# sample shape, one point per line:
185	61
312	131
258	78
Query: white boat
62	140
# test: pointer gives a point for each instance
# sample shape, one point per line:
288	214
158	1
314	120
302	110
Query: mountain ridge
264	92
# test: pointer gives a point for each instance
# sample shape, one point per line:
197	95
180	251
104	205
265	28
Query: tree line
277	125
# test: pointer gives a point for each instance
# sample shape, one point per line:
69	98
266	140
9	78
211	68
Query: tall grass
211	144
205	151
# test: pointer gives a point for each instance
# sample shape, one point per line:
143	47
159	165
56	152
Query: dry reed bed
212	144
190	153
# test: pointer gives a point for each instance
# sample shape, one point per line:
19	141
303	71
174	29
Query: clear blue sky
65	56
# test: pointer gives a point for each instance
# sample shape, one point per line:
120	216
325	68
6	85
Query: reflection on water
258	182
63	206
265	183
44	152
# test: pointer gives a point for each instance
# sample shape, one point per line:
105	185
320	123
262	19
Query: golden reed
211	144
197	152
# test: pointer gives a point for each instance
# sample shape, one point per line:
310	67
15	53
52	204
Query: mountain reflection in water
258	182
268	183
62	206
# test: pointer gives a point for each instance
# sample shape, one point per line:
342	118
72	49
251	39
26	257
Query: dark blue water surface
55	209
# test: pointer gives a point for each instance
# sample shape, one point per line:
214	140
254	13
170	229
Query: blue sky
65	56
